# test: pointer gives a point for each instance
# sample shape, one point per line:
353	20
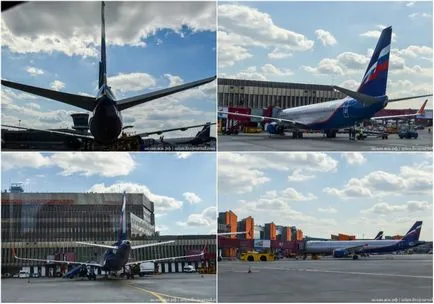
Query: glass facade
263	94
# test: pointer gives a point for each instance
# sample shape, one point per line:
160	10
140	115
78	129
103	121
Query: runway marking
161	296
162	300
356	273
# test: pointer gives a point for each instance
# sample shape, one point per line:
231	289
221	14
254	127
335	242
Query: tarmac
318	142
176	287
386	278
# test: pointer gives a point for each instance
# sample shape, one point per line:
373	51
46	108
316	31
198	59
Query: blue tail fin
123	220
375	79
414	232
102	64
379	236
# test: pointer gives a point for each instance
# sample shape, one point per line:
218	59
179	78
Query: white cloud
57	85
207	217
416	51
327	210
297	176
408	207
270	69
413	180
12	160
108	164
162	203
192	198
34	71
131	82
183	155
250	73
242	27
417	15
411	3
53	27
325	37
376	33
174	80
354	158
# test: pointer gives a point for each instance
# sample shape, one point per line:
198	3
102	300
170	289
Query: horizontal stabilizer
81	136
365	99
410	97
48	261
98	245
145	134
84	102
151	245
134	101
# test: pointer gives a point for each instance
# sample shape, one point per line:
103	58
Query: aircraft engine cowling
340	253
274	128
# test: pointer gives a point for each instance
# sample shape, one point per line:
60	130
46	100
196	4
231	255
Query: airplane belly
105	126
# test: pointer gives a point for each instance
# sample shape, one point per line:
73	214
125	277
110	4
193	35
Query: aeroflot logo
414	230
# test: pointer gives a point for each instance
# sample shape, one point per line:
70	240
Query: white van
189	268
24	274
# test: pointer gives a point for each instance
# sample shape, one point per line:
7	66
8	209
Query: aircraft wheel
355	257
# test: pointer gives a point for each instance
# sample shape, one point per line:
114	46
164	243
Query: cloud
57	85
416	51
354	158
183	155
413	180
108	164
252	73
174	80
74	28
207	217
162	203
192	198
327	210
325	37
34	71
131	82
411	3
270	69
241	173
297	176
242	27
13	160
376	33
417	15
408	207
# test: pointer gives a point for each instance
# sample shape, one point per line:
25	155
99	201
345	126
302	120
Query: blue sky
182	185
150	46
326	42
329	193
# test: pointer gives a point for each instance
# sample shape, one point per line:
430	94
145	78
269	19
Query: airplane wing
264	117
134	101
420	112
98	245
145	134
54	261
411	97
166	259
150	245
354	249
82	136
79	101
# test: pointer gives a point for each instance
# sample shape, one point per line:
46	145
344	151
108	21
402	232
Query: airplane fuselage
369	246
115	259
106	121
335	114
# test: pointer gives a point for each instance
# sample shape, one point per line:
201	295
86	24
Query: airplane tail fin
205	132
102	63
379	236
413	234
375	79
123	220
422	108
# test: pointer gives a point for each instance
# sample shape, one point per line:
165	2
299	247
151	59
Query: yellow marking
161	295
162	300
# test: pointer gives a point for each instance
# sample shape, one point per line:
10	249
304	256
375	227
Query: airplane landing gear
331	133
355	257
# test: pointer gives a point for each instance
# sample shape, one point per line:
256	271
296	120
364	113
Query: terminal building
48	225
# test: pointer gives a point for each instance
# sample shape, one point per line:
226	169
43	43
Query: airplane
333	115
106	122
352	248
202	137
421	111
117	255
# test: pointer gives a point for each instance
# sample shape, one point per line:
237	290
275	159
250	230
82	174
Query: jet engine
340	253
275	128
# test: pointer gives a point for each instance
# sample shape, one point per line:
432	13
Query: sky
327	43
329	193
182	185
150	46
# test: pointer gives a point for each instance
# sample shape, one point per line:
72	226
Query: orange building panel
299	235
250	228
231	220
272	231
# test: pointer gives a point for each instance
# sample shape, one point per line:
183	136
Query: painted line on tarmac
161	296
353	272
162	300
